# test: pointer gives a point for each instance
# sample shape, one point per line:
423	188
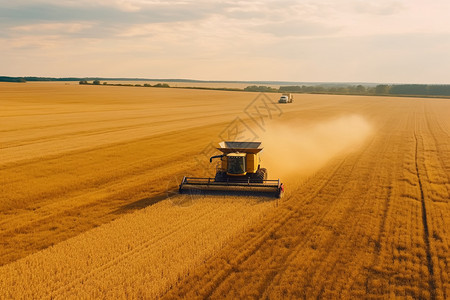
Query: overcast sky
392	41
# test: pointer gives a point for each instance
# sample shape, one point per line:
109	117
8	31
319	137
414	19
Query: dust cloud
299	150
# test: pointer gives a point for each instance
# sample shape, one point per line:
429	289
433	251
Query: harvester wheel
220	176
261	175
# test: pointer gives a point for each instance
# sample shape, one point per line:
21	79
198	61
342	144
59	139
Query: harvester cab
238	169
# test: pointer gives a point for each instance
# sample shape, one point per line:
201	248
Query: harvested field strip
426	234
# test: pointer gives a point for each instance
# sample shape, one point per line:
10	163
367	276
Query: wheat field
89	206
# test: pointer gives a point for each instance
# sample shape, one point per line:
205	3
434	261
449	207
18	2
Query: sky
382	41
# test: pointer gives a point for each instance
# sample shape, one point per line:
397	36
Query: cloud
380	7
52	27
117	12
296	28
122	5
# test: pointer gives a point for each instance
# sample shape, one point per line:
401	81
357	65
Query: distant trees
164	85
325	89
360	89
409	89
420	89
438	89
299	89
413	89
260	88
12	79
382	89
97	82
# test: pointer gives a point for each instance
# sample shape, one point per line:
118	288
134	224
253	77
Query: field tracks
426	234
434	166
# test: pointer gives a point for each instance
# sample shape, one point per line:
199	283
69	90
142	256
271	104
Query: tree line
97	82
414	89
12	79
381	89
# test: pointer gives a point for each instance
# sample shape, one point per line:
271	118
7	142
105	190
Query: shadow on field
264	196
142	203
194	193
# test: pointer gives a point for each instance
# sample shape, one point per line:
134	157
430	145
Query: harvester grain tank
238	170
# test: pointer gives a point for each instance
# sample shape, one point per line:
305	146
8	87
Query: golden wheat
90	169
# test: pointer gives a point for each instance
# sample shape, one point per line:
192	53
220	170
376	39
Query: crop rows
93	172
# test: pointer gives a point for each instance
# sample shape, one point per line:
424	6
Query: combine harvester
286	98
238	170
